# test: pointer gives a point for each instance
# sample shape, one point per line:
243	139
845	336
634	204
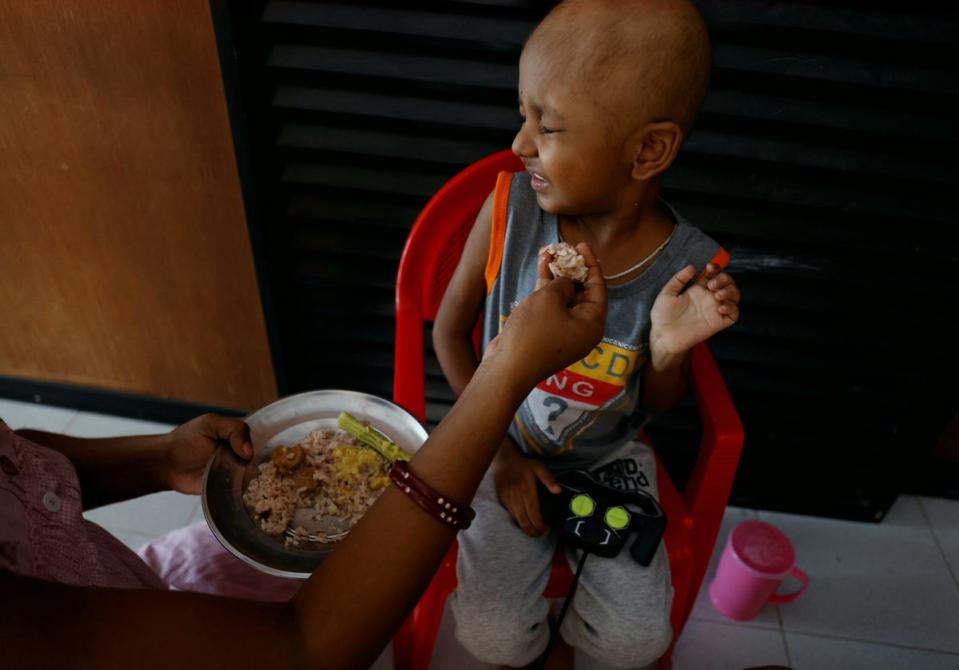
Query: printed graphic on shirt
565	403
624	474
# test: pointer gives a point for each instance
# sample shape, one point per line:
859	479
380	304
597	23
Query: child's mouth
536	182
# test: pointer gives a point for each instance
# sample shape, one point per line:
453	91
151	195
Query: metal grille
823	160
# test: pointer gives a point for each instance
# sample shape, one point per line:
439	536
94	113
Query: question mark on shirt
561	406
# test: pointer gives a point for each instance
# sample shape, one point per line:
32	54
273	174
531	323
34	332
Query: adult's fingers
543	273
231	430
593	296
562	287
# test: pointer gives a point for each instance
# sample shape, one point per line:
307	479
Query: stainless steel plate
288	421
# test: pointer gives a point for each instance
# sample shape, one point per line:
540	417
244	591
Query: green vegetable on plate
371	438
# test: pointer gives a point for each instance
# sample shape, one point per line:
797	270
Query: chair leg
403	645
414	641
426	620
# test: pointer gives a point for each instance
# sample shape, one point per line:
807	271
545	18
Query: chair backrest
432	252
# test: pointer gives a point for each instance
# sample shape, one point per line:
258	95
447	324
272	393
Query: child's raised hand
681	320
189	447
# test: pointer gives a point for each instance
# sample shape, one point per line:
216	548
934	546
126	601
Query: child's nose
523	146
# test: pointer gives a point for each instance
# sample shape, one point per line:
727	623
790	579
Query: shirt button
7	466
51	501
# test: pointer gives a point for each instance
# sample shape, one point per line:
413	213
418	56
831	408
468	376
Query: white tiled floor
882	597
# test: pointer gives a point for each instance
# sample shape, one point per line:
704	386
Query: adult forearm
109	469
350	607
376	576
342	618
51	625
348	610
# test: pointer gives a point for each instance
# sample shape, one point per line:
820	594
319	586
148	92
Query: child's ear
655	149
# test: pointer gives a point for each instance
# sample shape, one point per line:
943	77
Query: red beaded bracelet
446	510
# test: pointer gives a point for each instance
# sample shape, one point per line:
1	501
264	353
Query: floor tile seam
782	631
736	624
840	638
938	543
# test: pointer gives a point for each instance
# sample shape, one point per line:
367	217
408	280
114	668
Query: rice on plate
327	474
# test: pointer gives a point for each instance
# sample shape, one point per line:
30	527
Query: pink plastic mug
756	559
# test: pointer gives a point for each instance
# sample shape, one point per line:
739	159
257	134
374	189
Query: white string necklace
642	262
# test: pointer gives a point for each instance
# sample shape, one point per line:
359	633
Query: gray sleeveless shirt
590	409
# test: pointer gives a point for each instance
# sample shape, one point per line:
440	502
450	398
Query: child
608	91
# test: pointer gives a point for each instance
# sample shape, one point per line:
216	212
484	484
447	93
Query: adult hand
188	448
681	320
515	477
555	325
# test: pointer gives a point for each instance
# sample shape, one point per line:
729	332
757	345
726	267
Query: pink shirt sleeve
42	530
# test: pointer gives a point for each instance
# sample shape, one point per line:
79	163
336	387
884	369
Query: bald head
646	60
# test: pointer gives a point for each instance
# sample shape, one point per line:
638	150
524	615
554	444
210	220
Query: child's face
568	141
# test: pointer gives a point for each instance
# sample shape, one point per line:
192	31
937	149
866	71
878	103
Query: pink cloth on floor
42	531
192	559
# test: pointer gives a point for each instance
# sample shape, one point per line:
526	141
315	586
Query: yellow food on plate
355	461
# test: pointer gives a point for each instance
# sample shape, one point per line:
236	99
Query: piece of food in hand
567	262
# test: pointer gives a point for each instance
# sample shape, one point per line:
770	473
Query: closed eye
546	130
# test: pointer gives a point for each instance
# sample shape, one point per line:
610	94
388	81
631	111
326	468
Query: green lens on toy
617	518
582	505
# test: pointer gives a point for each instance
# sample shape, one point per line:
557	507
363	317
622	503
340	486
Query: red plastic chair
432	252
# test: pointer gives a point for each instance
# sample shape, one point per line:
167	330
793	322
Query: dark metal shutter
823	160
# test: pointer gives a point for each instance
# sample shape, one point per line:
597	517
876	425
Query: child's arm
120	468
462	304
351	605
681	320
664	382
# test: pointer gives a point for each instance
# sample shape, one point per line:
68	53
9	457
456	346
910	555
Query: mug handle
789	597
